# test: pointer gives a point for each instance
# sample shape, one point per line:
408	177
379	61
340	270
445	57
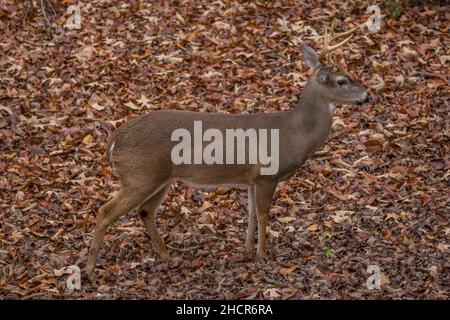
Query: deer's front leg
251	228
263	200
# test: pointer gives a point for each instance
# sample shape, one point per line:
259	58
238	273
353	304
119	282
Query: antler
324	55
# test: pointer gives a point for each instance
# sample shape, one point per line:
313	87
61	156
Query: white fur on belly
111	150
331	107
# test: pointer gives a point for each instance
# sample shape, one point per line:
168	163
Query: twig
187	249
44	13
50	2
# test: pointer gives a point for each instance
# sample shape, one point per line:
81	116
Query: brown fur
142	148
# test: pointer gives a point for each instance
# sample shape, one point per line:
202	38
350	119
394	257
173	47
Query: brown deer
140	151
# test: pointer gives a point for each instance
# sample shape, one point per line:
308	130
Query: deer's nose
367	99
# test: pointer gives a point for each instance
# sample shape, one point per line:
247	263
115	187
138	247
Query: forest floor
375	195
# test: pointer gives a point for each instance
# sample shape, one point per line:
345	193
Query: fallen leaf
286	271
132	106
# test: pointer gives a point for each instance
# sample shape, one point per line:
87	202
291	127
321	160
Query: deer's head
329	79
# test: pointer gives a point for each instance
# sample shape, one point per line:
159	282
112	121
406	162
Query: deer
139	151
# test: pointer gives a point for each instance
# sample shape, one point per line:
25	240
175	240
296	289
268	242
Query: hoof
262	256
91	276
165	257
90	273
249	252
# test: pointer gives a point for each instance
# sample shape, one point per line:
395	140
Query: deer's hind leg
121	204
147	211
127	199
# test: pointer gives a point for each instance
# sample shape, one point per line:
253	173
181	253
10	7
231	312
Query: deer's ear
324	74
310	56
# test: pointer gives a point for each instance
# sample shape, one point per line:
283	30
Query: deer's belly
217	175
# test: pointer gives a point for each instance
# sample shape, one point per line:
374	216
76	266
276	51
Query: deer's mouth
365	100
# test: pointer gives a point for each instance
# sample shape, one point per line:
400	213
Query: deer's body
148	140
140	154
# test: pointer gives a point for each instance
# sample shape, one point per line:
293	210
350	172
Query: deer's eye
342	82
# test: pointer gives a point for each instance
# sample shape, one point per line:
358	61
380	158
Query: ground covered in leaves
375	194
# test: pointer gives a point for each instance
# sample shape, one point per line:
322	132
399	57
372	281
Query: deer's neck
314	112
311	122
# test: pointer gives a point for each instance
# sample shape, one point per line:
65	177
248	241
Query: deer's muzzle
365	100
